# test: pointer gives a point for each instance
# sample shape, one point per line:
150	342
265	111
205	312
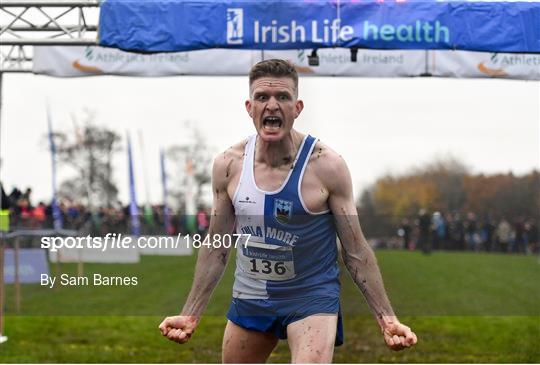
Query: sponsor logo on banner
301	58
83	67
112	57
336	61
498	63
332	31
235	26
283	210
491	68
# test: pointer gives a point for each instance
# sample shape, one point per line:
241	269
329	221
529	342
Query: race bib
267	262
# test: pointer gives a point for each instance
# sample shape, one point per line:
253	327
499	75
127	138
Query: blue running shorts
273	315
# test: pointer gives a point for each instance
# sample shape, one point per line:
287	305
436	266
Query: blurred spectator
504	235
487	231
149	220
424	225
39	215
6	201
472	238
24	211
202	221
182	223
5	205
405	233
15	195
27	195
519	244
531	234
439	230
457	233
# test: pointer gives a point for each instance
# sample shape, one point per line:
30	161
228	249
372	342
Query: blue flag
57	215
166	215
133	208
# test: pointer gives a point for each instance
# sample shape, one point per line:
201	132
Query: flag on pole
166	213
133	209
191	224
148	213
57	215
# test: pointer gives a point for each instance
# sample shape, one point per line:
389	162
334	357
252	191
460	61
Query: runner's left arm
358	255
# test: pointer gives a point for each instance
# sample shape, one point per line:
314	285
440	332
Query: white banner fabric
74	61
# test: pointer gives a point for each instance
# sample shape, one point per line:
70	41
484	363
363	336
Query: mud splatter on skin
362	265
219	194
228	172
224	258
349	224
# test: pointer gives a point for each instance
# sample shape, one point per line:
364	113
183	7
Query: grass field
464	307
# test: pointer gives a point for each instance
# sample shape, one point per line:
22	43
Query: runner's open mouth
272	122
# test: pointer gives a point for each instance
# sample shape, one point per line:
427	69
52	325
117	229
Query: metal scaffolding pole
24	24
2	337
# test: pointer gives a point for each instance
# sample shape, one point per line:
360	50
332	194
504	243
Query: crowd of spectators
98	221
454	231
426	232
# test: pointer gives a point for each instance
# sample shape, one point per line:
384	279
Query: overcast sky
379	125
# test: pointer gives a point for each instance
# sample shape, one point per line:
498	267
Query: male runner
293	194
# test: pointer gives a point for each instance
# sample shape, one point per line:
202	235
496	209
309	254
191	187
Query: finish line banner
74	61
184	25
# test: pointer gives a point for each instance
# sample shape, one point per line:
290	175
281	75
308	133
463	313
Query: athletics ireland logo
282	210
235	26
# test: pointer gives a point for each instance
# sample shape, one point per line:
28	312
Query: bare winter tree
88	150
200	154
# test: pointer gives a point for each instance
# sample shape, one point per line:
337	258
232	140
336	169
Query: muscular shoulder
228	164
329	167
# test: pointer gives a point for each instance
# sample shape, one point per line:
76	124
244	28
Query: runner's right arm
211	262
